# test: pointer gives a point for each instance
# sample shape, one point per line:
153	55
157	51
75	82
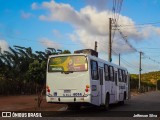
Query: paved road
143	104
147	102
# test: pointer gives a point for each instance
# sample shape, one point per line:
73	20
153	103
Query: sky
77	24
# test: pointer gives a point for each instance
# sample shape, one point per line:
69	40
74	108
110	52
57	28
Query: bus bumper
69	99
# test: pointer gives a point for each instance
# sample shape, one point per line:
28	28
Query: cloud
57	33
99	4
4	46
92	25
49	43
25	15
34	6
73	37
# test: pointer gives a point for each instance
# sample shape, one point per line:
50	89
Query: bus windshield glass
67	64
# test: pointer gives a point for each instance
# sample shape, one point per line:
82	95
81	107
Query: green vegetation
22	71
158	84
148	81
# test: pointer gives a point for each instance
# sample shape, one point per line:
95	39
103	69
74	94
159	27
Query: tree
66	52
21	69
36	73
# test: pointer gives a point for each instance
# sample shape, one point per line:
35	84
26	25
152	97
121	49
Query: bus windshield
67	64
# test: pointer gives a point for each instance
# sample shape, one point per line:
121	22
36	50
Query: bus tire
106	106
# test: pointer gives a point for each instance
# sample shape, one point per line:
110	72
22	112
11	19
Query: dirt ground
26	103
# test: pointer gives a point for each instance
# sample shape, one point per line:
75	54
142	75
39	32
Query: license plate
67	91
67	94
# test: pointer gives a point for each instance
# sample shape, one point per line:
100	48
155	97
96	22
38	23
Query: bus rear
68	79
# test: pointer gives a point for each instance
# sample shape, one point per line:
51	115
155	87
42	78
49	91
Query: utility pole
140	69
95	46
109	45
119	59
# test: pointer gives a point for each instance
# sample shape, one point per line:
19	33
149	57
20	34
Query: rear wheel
106	106
121	102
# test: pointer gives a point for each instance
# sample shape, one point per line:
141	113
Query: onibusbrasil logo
21	114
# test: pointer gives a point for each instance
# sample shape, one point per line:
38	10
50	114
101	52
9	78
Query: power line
116	11
155	61
149	48
142	24
126	41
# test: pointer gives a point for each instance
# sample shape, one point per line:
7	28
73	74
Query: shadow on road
90	111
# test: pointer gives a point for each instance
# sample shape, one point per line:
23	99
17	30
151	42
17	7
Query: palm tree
20	67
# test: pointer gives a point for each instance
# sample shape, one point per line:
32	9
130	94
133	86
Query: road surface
143	104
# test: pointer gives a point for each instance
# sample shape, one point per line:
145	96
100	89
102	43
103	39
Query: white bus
83	79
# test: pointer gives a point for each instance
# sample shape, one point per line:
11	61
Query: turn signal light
86	89
48	89
87	86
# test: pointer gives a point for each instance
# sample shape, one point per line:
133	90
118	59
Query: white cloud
92	25
57	33
4	46
34	6
49	43
73	37
25	15
99	4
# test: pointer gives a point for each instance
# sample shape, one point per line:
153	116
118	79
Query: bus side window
126	77
94	70
123	76
115	77
106	72
111	73
119	75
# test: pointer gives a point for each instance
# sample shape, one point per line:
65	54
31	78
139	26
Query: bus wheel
121	102
106	106
73	107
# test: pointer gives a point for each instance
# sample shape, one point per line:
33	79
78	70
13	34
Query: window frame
92	76
106	77
111	78
120	75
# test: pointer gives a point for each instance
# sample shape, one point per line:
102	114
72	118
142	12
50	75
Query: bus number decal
66	94
77	94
